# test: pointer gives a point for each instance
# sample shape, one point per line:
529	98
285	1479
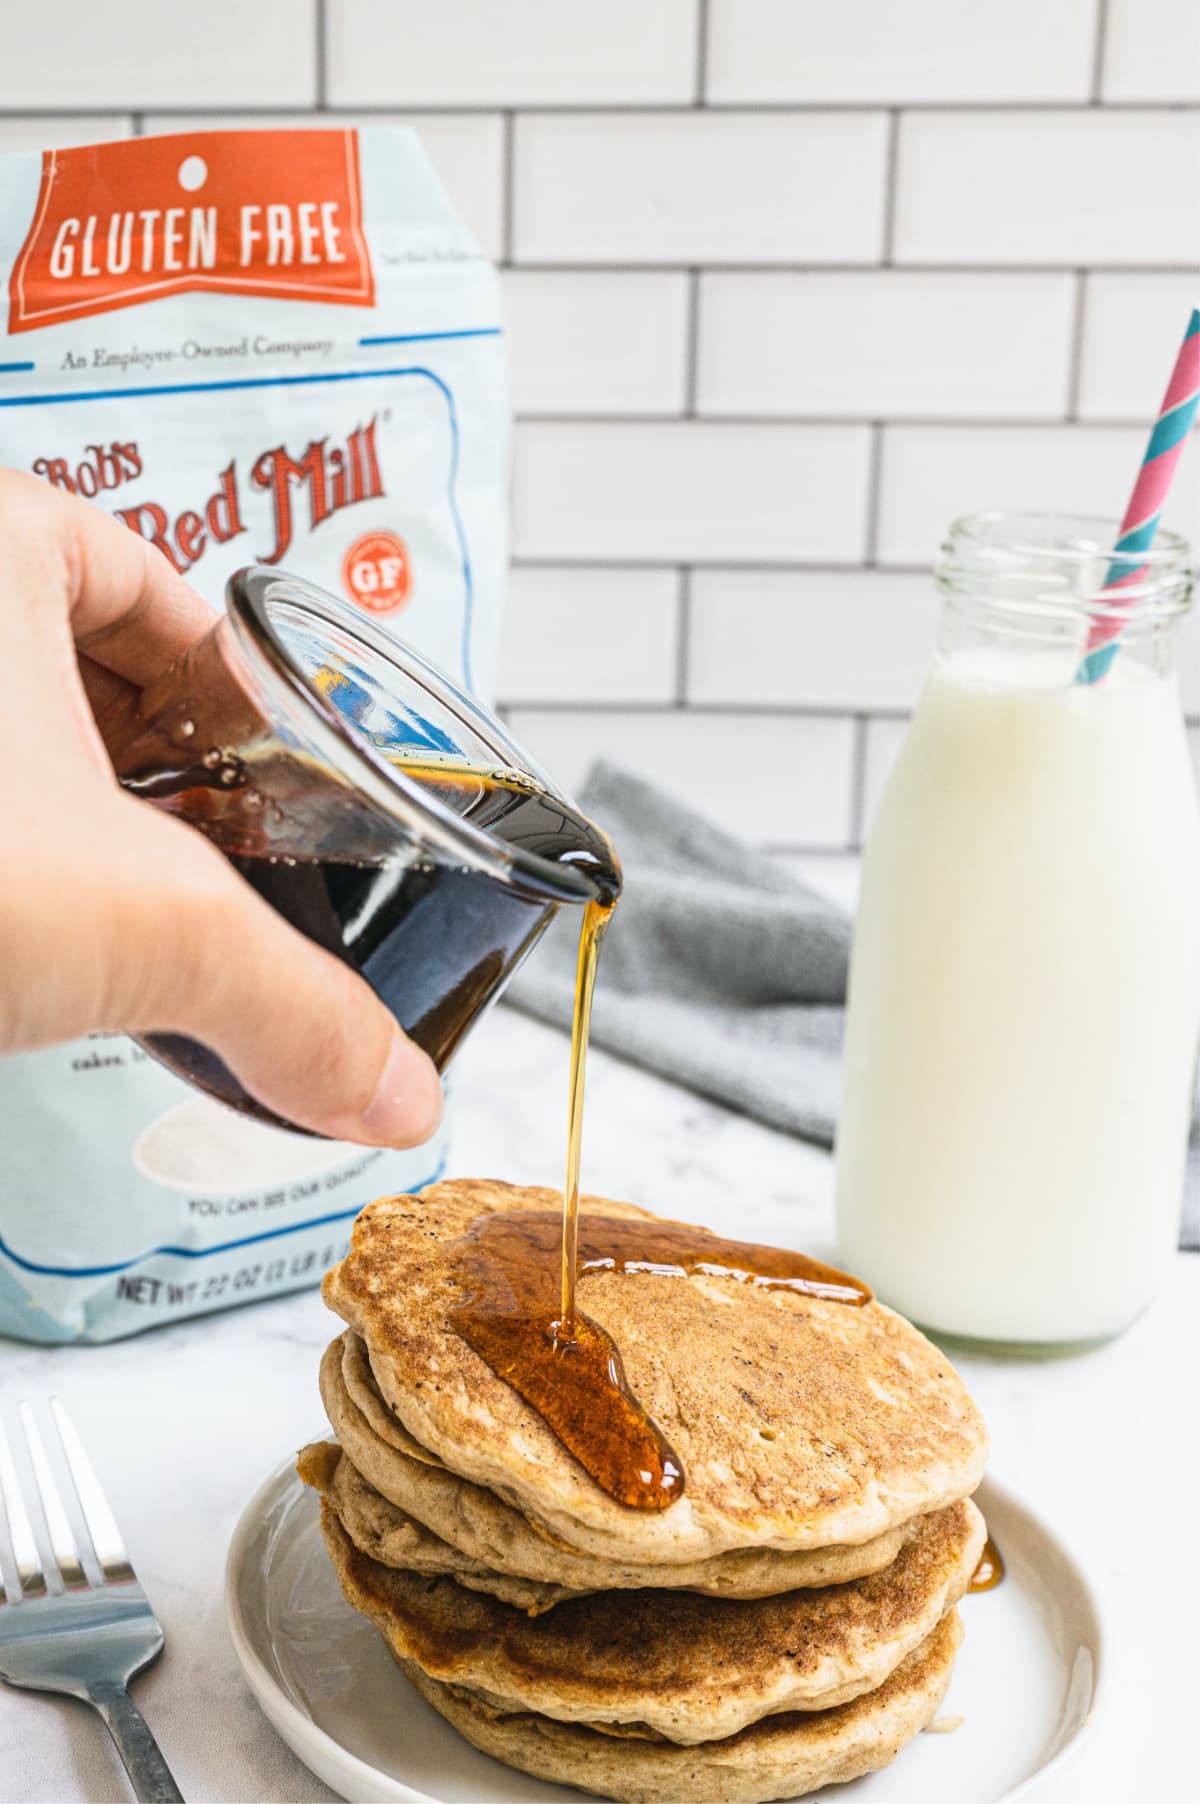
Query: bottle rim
1062	566
254	595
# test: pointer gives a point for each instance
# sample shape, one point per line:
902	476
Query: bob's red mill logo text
327	477
265	213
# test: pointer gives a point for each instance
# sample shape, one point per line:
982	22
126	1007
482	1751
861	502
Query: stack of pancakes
788	1621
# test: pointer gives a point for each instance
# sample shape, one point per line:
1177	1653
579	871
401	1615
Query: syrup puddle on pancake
510	1267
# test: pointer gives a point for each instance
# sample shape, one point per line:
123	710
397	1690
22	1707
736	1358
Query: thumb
302	1032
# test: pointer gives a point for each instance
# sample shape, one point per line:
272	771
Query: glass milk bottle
1025	983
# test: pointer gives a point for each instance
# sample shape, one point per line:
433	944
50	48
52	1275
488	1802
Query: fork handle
148	1772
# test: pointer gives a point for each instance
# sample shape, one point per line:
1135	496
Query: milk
1025	1003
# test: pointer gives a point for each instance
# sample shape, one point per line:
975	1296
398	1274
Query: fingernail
407	1105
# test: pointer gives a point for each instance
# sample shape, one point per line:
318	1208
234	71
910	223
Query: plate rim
1013	1501
263	1683
261	1680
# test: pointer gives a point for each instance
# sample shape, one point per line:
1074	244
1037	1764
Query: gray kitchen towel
721	970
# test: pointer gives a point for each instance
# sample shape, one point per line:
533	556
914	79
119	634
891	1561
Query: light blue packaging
241	408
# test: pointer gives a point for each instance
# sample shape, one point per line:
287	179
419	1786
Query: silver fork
73	1636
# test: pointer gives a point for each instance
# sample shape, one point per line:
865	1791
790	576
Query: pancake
492	1536
780	1757
387	1534
801	1423
689	1668
364	1393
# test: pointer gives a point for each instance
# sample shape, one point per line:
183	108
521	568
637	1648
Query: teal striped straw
1174	422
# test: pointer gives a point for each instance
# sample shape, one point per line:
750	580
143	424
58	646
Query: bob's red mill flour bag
276	347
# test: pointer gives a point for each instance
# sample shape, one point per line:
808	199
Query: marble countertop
184	1423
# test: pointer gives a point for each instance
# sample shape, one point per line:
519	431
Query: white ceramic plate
1025	1681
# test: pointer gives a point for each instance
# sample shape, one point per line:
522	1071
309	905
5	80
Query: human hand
115	916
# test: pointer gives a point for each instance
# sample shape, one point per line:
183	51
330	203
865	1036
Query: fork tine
101	1523
24	1547
62	1541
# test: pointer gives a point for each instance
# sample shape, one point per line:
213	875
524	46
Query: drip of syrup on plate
990	1570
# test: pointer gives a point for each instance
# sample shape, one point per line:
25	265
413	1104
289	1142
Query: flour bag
276	347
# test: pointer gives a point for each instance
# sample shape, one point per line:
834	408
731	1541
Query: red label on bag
256	212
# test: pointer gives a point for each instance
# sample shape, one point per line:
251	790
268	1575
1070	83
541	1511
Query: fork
72	1636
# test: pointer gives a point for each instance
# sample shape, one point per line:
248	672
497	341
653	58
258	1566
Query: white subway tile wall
854	640
598	341
1128	320
788	285
1089	185
144	53
699	186
578	635
688	491
931	474
890	343
522	53
1151	50
893	54
34	131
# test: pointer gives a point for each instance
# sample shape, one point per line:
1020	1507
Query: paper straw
1149	496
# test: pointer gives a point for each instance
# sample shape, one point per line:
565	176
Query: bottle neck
974	627
1028	596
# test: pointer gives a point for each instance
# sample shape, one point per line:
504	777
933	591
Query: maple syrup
990	1570
596	917
520	1273
436	941
510	1266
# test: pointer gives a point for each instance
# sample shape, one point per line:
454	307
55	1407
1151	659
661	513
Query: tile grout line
743	711
137	125
702	710
634	109
1051	421
691	353
683	636
610	266
701	51
891	176
870	557
507	177
321	27
727	565
1099	49
858	782
1078	325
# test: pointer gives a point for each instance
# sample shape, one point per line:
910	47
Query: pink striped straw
1149	496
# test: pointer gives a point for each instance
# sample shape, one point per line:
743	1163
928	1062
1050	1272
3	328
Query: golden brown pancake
493	1536
688	1668
387	1534
364	1393
801	1423
780	1757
